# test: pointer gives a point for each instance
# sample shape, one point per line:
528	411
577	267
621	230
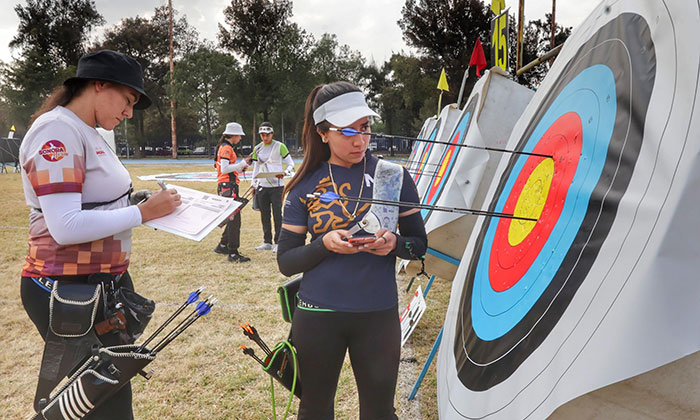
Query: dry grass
203	375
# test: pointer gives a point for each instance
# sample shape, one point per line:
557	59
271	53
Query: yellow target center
531	201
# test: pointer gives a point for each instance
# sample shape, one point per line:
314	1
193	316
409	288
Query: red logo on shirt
53	151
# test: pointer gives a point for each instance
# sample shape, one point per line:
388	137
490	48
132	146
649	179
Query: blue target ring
609	80
591	95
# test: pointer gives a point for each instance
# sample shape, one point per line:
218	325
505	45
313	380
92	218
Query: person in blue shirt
348	300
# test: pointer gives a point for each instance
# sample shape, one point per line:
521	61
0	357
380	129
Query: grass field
202	375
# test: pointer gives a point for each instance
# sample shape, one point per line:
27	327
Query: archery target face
429	130
420	159
523	275
449	157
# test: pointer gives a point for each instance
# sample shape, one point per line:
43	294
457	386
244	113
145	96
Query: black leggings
270	199
36	303
231	237
374	342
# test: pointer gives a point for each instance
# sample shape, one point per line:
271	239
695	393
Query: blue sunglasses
349	132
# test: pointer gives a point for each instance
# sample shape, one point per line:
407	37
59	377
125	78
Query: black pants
231	237
374	342
270	197
35	299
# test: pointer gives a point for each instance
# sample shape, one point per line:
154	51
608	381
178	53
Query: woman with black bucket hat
81	218
347	300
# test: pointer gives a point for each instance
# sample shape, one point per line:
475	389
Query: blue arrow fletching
194	296
205	310
329	196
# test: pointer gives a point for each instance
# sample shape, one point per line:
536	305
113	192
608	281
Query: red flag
478	57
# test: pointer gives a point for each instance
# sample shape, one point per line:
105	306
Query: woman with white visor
348	298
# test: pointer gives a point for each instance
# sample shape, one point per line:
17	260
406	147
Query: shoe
238	258
274	249
221	249
264	247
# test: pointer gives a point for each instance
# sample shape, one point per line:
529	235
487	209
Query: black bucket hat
115	67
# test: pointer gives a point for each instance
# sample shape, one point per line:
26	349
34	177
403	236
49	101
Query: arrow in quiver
100	377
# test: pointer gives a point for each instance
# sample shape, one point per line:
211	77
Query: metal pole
173	130
521	17
554	27
540	60
461	89
428	361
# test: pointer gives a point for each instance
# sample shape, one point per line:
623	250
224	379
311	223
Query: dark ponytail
61	96
315	150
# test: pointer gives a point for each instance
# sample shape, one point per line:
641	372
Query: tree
56	28
257	31
52	36
444	32
201	79
408	97
147	40
255	26
536	42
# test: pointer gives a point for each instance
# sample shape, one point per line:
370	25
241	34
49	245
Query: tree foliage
255	26
444	32
56	28
203	92
147	40
52	36
262	68
536	42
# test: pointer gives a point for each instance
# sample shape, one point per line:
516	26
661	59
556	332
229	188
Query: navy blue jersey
359	282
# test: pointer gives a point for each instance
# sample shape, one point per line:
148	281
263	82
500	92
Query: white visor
265	130
344	110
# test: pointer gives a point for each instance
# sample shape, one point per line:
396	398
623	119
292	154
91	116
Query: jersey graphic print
326	215
53	151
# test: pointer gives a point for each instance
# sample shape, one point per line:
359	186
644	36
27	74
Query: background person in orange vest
227	177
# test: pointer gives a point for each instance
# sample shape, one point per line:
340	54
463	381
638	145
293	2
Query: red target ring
509	262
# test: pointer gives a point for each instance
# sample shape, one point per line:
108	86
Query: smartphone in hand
360	239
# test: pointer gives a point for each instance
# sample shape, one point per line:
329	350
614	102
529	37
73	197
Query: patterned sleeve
409	192
295	211
284	152
226	152
55	160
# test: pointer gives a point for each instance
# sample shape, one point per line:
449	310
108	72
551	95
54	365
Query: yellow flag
442	83
12	128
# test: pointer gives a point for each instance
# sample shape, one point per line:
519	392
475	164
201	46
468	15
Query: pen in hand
162	185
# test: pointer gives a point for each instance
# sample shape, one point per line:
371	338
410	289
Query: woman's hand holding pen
161	203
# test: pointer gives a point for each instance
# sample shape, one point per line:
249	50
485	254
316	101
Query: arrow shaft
162	326
438	208
188	317
470	146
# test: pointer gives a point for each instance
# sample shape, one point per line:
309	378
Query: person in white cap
269	156
347	300
227	177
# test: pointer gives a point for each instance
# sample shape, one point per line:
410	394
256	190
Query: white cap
234	129
344	110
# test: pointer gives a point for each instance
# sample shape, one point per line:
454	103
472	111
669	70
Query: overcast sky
368	26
